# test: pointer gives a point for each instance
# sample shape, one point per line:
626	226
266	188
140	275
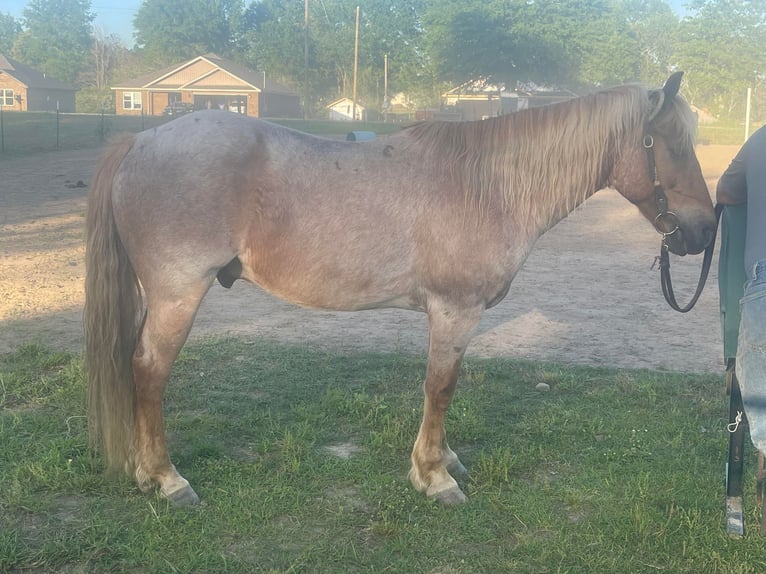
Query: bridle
668	217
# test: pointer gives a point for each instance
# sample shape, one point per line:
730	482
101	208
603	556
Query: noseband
660	199
664	215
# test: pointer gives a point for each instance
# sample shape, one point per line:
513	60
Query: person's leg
751	354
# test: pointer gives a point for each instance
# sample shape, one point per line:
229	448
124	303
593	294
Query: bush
93	101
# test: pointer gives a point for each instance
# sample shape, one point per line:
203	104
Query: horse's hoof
183	497
448	496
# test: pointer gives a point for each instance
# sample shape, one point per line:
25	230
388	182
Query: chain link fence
29	132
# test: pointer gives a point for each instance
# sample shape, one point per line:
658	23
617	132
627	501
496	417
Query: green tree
276	39
170	31
56	37
655	27
721	45
563	42
10	28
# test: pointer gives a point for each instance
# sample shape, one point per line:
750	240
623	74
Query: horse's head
659	172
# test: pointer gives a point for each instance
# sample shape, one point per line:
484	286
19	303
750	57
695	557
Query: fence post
747	114
2	131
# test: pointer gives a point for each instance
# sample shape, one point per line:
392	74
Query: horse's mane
546	159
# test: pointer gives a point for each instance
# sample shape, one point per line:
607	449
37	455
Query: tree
170	31
721	45
10	28
554	42
56	37
104	52
655	27
276	40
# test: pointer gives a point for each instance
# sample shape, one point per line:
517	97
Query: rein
663	214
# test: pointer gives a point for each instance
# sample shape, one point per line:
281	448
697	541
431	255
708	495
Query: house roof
482	86
344	100
30	77
208	72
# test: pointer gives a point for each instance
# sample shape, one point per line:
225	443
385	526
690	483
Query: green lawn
612	471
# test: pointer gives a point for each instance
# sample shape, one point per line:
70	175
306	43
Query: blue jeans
751	353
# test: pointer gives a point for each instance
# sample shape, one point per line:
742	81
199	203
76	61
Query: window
131	100
6	97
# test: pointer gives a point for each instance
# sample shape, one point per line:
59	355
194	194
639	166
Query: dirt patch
587	294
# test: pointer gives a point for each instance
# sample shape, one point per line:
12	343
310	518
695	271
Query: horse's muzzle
685	241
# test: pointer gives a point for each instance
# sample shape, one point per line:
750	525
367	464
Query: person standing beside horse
744	182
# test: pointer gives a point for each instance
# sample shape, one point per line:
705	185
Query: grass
23	133
724	132
610	471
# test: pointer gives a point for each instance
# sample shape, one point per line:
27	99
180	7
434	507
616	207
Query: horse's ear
656	104
670	89
662	99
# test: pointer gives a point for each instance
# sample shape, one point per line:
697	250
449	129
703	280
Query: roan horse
437	218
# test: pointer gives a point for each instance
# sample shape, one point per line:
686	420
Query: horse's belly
331	282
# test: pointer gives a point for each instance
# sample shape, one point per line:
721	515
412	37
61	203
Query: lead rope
667	283
664	215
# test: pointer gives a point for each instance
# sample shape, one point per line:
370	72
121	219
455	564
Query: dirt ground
587	294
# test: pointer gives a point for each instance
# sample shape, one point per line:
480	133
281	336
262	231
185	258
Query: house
343	109
479	99
399	108
24	89
207	82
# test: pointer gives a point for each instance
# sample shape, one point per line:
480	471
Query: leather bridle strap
671	221
667	284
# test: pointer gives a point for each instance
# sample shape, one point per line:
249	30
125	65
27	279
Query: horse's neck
556	200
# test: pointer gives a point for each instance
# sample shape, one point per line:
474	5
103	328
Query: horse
437	217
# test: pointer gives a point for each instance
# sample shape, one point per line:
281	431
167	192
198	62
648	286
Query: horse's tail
112	315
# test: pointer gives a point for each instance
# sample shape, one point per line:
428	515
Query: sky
112	16
116	16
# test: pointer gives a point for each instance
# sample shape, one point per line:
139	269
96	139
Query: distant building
477	99
399	108
24	89
343	109
207	82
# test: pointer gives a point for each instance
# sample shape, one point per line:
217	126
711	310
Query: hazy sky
112	16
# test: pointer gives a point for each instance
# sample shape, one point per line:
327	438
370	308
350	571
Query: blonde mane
545	161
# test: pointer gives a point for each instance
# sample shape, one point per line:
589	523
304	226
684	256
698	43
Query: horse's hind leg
432	459
168	320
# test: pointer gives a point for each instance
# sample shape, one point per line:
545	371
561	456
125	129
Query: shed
343	109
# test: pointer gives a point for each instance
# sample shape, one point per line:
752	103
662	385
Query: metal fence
27	132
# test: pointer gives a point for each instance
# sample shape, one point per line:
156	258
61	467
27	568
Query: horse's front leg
432	459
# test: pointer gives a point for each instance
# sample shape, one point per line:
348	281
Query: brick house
24	89
207	82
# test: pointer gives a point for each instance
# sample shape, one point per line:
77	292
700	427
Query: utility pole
385	87
747	114
305	59
356	61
